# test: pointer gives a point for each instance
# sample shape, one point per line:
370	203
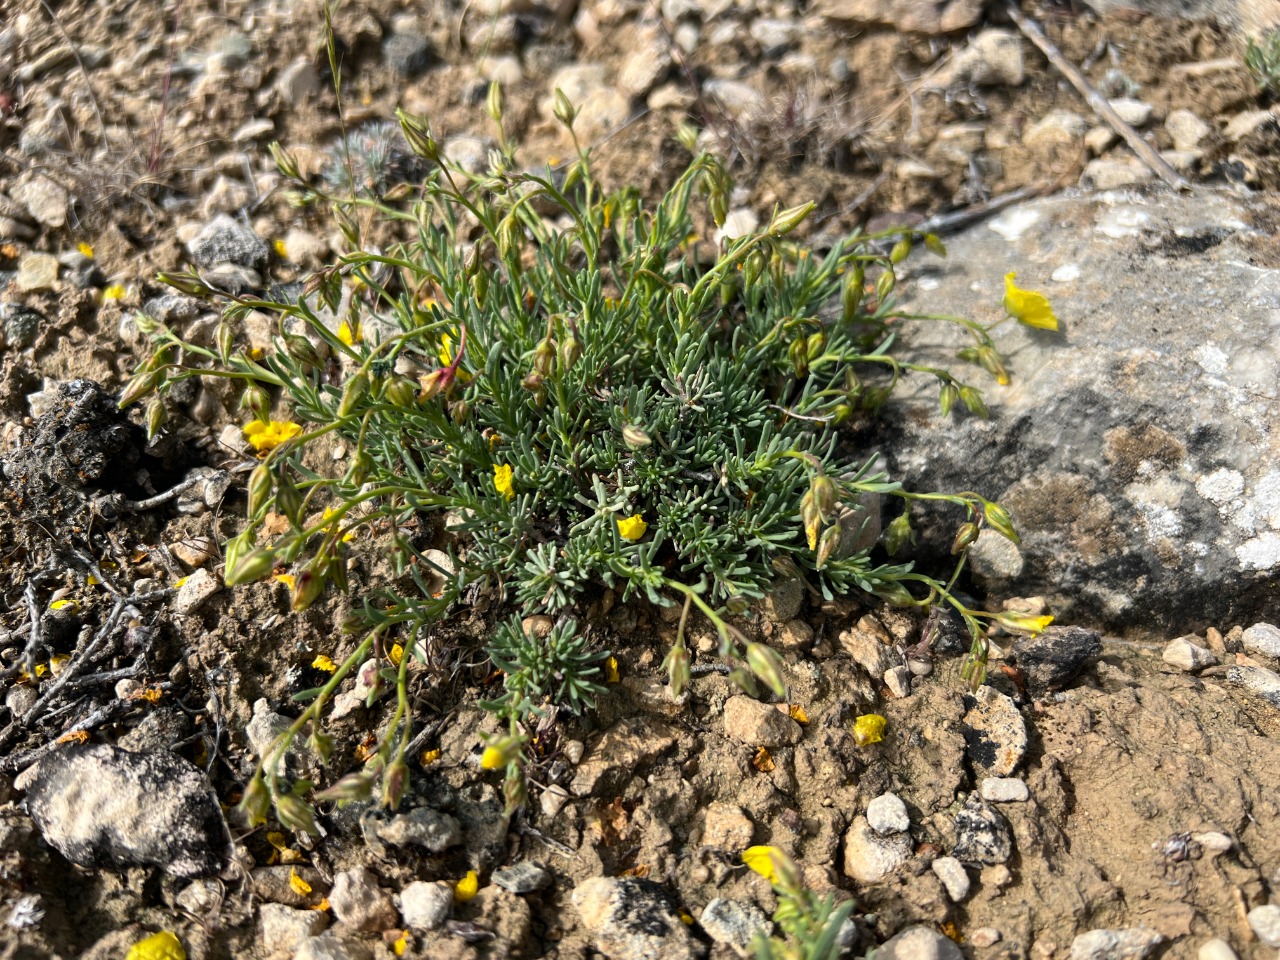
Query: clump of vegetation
1262	58
579	392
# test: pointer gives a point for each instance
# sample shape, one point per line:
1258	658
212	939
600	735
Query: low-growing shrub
577	392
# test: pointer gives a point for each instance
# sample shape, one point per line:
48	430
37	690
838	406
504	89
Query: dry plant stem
1098	102
947	223
86	722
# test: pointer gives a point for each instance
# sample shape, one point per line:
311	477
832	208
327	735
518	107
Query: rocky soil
1110	795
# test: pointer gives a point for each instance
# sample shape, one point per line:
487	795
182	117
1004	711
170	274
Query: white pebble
1004	790
888	814
1216	949
953	876
1067	273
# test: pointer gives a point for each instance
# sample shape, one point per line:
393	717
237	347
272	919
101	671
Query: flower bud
635	438
786	875
352	394
253	566
840	413
948	394
851	295
225	337
544	356
434	383
972	399
811	517
885	285
678	669
824	494
296	814
307	587
493	102
284	161
785	221
827	544
395	779
156	415
570	352
188	282
901	250
898	533
935	245
259	490
418	134
302	350
400	392
500	752
967	533
798	353
999	520
288	497
532	381
1012	620
767	665
140	386
460	411
743	680
354	786
321	744
563	110
257	401
991	362
752	268
515	790
256	802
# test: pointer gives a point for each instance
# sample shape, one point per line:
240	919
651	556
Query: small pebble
898	680
359	902
985	937
523	877
953	876
1216	949
426	906
1264	639
1188	656
1265	922
1131	943
1004	790
198	588
888	814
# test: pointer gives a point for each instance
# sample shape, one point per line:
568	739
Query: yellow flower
85	250
349	335
347	536
159	946
287	579
266	435
760	859
1016	621
72	605
492	759
446	355
280	249
502	479
395	654
869	729
116	291
466	888
321	662
429	757
798	714
1027	306
297	884
402	942
632	528
611	674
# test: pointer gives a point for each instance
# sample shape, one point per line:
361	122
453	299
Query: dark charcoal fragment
100	806
1057	656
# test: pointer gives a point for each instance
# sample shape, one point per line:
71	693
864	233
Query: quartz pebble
1004	790
954	877
1265	922
888	814
1185	655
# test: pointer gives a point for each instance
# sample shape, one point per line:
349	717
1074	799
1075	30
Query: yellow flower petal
869	729
280	249
1027	306
502	479
402	942
760	860
466	888
798	714
159	946
324	663
266	435
114	292
65	604
429	757
492	759
395	654
611	674
297	884
632	528
287	579
349	335
85	250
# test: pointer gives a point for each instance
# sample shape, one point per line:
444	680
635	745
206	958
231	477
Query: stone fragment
1264	921
1245	123
1057	127
408	54
898	680
785	597
919	943
1216	949
994	732
734	923
328	946
100	806
871	858
794	635
360	903
1114	174
523	877
283	928
197	588
888	814
727	827
757	724
985	937
1265	683
1264	639
36	272
424	827
225	241
631	919
426	905
44	199
954	877
1053	658
982	833
1136	113
1131	943
1185	655
1186	129
1004	790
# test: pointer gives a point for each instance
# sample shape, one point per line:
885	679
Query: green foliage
558	667
589	392
1262	58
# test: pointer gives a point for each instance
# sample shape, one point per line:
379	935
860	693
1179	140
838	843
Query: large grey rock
1135	448
100	806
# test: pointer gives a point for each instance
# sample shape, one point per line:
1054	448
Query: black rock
408	54
224	240
982	833
1057	656
100	806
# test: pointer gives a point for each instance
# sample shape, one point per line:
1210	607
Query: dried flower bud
515	790
460	411
284	161
635	437
395	779
544	356
532	381
142	385
827	544
307	587
296	814
967	533
435	383
256	802
352	787
570	352
678	669
302	350
493	102
767	665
